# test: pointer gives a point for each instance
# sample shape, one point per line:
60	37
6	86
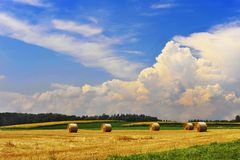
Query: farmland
50	140
117	125
212	151
57	125
94	144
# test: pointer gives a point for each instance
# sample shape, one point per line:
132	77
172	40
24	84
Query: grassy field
117	125
179	125
93	144
55	125
213	151
91	125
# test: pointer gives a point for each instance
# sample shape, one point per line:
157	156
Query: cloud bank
193	77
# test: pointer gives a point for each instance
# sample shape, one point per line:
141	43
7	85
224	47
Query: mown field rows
54	124
117	125
94	144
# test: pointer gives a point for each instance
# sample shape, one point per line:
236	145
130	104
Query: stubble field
94	144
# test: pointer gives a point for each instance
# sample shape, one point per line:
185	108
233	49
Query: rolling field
94	144
92	125
116	124
50	140
57	125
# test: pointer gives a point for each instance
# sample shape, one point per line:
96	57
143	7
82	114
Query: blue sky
174	59
142	28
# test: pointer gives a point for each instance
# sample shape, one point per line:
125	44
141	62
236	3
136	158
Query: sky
173	59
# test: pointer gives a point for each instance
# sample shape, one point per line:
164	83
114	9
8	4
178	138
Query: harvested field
86	144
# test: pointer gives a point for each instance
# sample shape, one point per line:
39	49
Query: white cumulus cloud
212	46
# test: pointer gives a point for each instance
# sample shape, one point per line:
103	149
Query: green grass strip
213	151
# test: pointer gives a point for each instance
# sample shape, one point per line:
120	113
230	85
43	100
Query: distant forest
23	118
237	119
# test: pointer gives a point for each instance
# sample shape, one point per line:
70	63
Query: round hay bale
188	126
201	127
106	127
72	128
154	127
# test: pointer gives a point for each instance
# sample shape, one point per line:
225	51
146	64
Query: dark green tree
237	118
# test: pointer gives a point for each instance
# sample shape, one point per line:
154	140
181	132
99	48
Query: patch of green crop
213	151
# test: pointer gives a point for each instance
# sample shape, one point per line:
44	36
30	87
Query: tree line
23	118
237	119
